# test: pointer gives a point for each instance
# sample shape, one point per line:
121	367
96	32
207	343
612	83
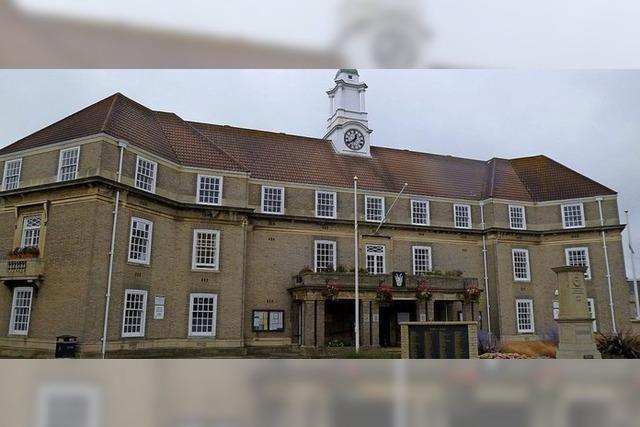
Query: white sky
587	120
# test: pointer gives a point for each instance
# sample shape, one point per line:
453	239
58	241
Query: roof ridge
164	134
236	161
521	179
111	107
256	130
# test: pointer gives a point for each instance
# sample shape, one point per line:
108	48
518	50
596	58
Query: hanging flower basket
423	292
25	252
472	294
384	293
331	292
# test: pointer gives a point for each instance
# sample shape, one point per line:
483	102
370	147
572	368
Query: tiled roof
290	158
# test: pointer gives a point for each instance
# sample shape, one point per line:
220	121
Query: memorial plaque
439	342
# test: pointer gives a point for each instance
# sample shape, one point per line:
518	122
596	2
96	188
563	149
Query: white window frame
513	264
587	274
523	210
5	174
201	266
264	188
146	261
213	317
154	178
455	216
25	228
143	318
568	205
315	252
532	329
199	190
367	217
335	204
429	258
383	254
591	306
50	394
60	158
12	321
413	211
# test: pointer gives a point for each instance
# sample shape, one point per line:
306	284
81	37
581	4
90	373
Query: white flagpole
390	207
633	267
355	238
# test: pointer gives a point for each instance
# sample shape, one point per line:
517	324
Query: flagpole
355	238
633	267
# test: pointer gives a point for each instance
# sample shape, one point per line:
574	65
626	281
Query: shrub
552	335
335	342
622	344
488	343
341	269
531	348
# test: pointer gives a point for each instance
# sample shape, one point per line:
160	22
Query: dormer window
462	216
374	208
572	215
146	174
273	200
517	218
11	175
68	165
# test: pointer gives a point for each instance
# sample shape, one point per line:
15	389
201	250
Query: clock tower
348	126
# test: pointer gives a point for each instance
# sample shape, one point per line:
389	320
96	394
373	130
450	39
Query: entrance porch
321	320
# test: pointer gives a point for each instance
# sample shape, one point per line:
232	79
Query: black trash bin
66	346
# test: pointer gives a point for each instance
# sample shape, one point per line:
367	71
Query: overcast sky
587	120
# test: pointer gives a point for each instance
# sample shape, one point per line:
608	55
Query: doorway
391	314
442	311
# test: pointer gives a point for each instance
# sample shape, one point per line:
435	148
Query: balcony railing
372	281
16	269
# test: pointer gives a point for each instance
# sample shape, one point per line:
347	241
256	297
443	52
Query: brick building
173	237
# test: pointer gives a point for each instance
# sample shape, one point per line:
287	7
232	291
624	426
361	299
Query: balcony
21	269
372	281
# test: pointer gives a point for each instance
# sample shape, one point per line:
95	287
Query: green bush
622	344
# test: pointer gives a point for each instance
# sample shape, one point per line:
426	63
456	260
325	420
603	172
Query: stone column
574	321
430	310
309	331
375	323
421	311
365	323
320	322
459	306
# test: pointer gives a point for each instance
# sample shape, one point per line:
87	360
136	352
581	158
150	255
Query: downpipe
121	145
606	260
486	270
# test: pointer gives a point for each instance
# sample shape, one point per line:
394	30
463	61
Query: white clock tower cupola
348	126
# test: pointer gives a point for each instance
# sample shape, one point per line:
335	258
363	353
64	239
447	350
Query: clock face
354	139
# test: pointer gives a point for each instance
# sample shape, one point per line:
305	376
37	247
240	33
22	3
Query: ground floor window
375	259
134	313
524	316
21	311
202	315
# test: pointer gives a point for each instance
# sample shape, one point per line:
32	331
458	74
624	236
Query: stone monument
439	340
574	321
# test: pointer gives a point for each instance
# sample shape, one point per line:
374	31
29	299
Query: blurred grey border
321	34
243	393
343	33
